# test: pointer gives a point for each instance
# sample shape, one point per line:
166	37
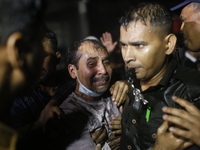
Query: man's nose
129	55
102	69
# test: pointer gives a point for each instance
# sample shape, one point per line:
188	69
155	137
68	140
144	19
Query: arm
187	121
51	110
119	92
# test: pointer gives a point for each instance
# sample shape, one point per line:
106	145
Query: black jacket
138	133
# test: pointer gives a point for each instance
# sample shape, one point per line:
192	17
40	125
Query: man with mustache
147	45
88	110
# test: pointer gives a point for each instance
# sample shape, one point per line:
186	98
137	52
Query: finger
58	111
111	89
114	143
117	147
112	123
116	120
117	132
187	144
102	138
96	134
102	40
115	90
114	44
178	121
163	128
192	135
118	96
105	36
178	114
180	132
115	124
115	127
121	109
112	137
123	95
108	36
98	147
187	105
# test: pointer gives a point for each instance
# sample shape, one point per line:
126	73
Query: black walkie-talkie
135	91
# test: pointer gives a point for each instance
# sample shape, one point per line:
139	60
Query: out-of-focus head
146	39
183	4
52	56
89	64
21	51
190	16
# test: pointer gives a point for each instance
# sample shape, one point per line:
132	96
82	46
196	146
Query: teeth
137	69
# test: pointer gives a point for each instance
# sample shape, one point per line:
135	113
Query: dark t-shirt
26	110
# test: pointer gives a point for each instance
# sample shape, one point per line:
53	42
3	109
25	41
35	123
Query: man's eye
107	62
123	45
139	45
91	64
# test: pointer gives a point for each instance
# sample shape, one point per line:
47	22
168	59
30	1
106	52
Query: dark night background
75	19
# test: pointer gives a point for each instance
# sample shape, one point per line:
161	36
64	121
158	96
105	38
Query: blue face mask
86	91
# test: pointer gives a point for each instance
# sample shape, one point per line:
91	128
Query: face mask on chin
86	91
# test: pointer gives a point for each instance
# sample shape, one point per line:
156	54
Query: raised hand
107	41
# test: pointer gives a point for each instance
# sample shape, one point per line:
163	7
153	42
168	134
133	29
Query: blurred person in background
188	119
21	55
29	113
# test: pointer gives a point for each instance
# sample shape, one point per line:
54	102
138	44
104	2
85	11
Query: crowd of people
148	101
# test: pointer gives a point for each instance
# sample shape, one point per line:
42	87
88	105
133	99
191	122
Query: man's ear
170	43
72	71
12	50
